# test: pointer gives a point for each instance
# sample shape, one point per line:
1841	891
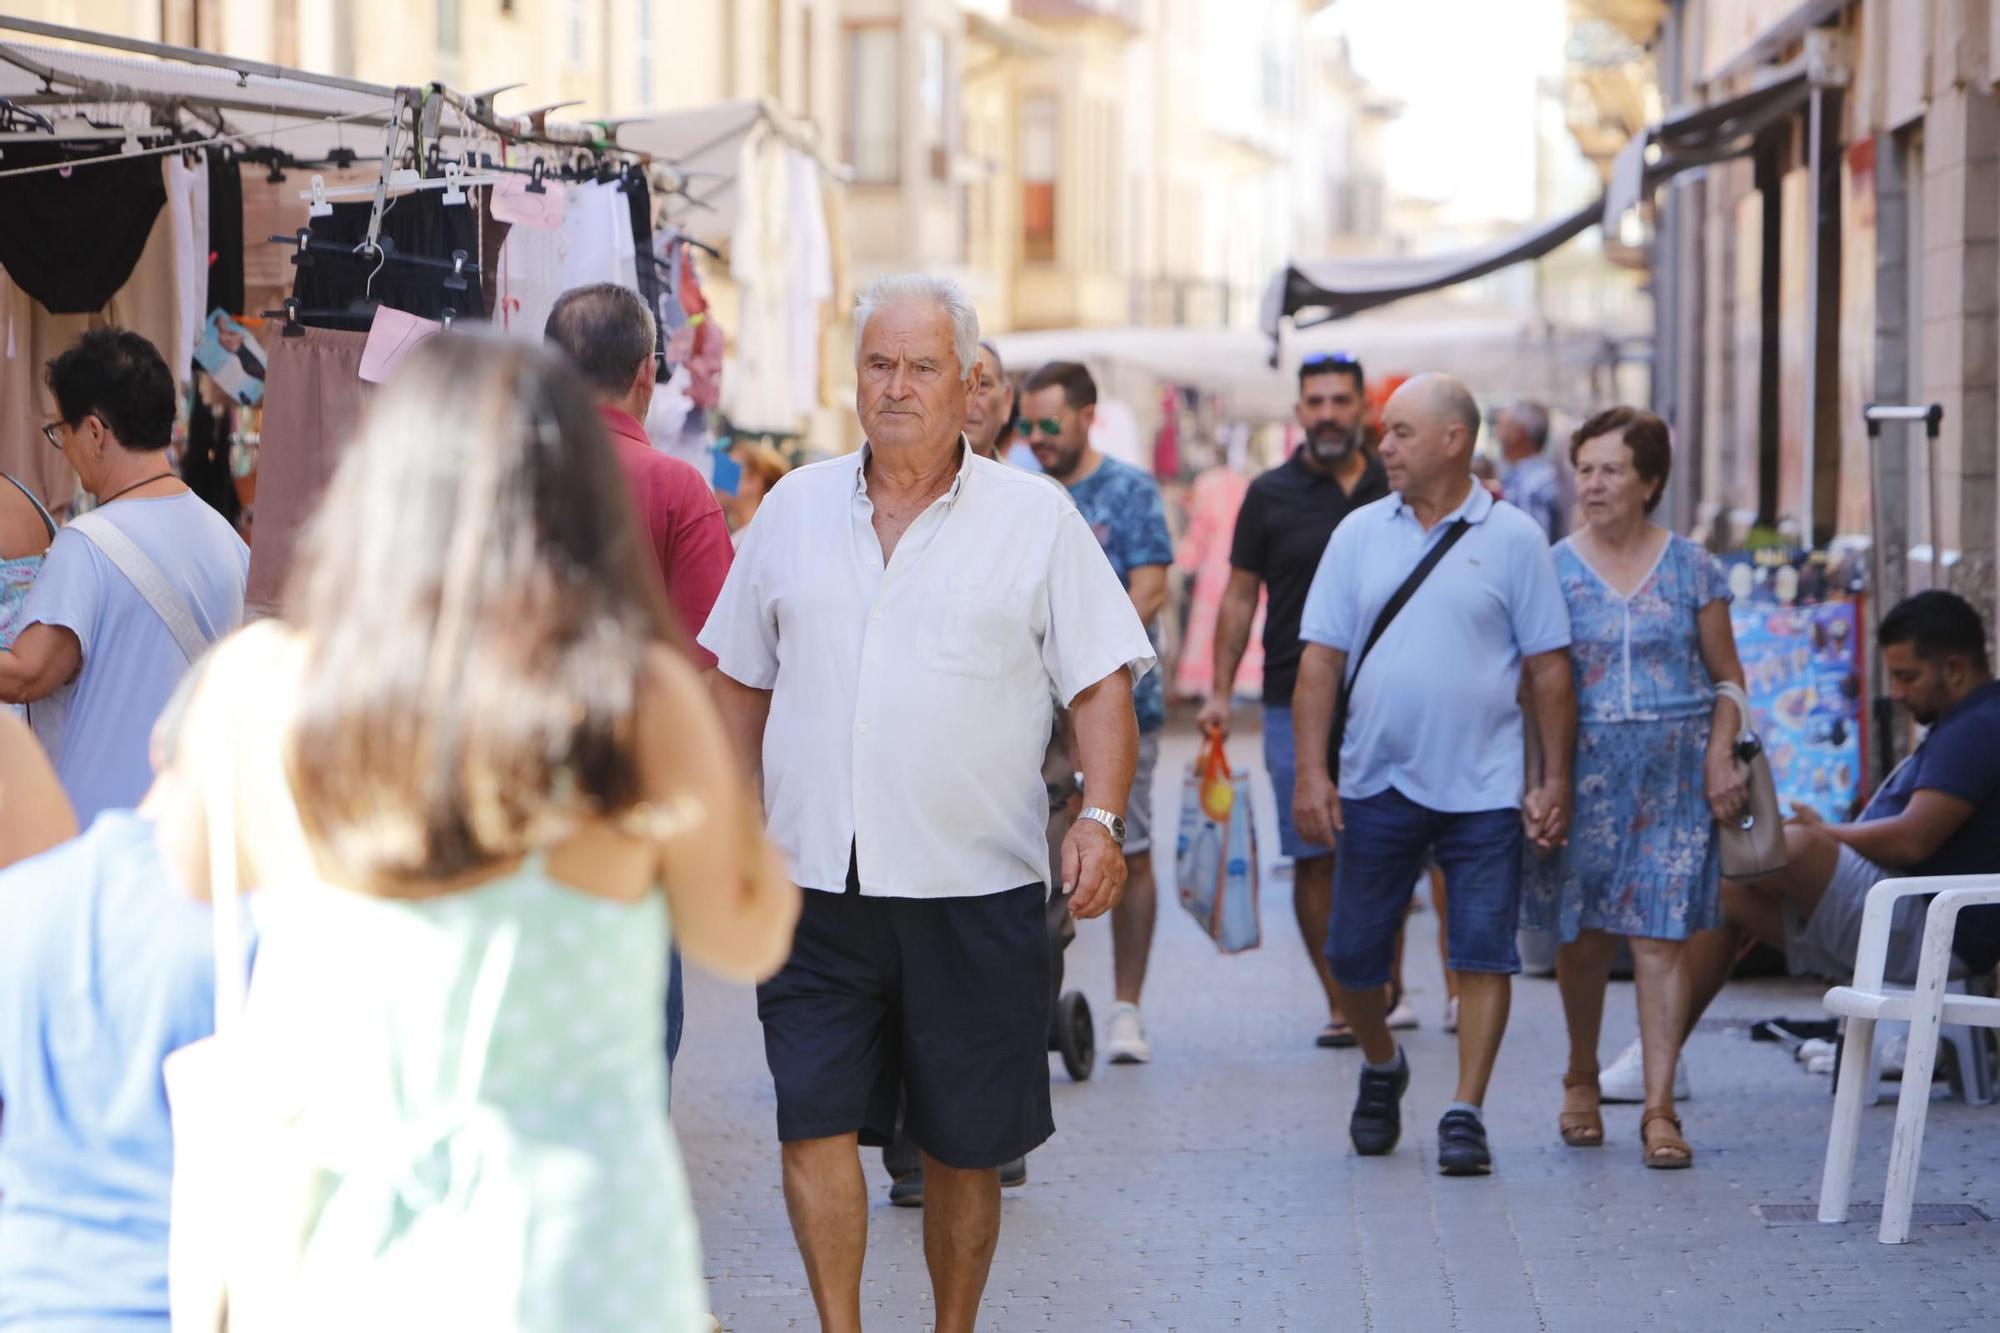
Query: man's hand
1806	817
1316	808
1093	869
1545	813
1214	716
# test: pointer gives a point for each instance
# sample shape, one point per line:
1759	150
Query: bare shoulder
22	531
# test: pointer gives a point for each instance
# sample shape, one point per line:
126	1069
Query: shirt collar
1475	509
622	423
966	459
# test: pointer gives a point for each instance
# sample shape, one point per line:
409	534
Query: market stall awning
1496	353
705	144
1329	289
1698	138
308	119
1337	288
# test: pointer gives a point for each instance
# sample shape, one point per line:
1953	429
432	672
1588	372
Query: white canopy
1493	354
292	114
705	144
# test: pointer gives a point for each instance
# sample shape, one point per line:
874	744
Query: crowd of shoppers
542	709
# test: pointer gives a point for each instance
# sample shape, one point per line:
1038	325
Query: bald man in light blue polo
1434	758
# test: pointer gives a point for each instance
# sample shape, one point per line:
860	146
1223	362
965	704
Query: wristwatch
1115	823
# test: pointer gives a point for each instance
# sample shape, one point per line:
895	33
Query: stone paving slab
1215	1188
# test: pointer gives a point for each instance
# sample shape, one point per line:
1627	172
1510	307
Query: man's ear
641	377
1087	417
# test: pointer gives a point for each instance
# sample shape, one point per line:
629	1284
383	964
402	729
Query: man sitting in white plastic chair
1937	814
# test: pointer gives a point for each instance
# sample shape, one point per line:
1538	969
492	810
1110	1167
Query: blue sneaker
1378	1111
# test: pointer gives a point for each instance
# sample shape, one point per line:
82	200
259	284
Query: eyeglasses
1047	425
51	432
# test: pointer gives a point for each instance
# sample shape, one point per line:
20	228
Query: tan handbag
1753	845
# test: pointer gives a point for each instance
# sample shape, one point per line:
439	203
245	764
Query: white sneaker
1451	1014
1127	1042
1625	1080
1404	1016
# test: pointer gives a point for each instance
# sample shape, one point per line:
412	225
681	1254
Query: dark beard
1332	445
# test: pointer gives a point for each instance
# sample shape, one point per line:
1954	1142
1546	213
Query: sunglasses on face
1027	426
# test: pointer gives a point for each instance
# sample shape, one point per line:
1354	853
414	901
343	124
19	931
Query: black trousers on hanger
420	224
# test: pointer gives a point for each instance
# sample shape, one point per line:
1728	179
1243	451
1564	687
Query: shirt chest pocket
967	626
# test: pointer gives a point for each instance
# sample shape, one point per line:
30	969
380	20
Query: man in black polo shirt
1281	532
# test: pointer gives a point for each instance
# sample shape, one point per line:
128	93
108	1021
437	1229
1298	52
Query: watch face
1118	828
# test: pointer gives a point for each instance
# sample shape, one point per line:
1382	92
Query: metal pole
190	55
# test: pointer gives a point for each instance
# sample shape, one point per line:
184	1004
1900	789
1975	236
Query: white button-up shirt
911	705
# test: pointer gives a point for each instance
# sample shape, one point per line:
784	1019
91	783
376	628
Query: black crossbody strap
1390	608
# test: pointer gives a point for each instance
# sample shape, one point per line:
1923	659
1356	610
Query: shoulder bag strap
48	519
144	575
1389	610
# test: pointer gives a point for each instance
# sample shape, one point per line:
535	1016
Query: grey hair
943	293
606	331
1533	418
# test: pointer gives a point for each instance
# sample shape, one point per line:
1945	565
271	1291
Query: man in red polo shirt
607	333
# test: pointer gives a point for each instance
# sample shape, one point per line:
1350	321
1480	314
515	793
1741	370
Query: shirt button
875	616
862	726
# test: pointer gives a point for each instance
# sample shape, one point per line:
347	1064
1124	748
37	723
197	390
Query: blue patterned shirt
1123	508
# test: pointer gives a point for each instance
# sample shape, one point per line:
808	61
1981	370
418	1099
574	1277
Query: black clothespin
449	315
303	258
276	174
536	174
433	160
290	314
456	282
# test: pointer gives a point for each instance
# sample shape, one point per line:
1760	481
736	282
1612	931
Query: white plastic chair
1925	1009
1968	1050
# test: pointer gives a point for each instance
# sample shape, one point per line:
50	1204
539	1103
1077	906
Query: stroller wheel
1076	1036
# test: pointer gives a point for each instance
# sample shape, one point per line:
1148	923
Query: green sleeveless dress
478	1084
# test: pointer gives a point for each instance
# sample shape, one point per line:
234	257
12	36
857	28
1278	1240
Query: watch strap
1113	824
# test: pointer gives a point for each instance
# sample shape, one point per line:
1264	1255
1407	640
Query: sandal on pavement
1336	1035
1581	1129
1665	1150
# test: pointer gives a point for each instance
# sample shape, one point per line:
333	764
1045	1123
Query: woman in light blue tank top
496	785
20	509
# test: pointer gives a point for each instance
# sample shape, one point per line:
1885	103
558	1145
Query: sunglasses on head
1335	360
1047	425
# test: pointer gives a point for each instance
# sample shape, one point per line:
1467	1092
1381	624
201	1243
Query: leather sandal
1582	1129
1666	1150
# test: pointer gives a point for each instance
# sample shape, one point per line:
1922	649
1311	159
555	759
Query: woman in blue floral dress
1655	767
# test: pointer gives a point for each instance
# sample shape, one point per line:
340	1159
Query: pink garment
313	399
1213	502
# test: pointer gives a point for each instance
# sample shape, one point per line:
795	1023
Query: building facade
1846	253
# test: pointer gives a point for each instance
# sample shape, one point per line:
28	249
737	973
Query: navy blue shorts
944	998
1387	842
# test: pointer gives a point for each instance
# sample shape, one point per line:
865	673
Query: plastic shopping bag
1216	859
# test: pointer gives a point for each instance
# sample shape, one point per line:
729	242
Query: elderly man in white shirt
892	641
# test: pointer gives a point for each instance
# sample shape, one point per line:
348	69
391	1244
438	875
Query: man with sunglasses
1287	518
1122	505
131	592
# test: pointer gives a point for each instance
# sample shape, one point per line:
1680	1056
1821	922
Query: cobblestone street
1215	1188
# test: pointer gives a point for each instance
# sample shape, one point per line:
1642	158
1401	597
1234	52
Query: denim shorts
1386	844
1281	762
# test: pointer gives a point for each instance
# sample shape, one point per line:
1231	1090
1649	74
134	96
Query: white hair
945	294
